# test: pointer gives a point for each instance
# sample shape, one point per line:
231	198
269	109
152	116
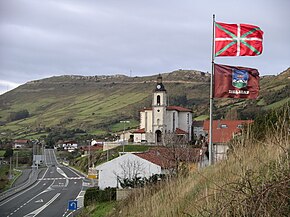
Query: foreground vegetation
253	181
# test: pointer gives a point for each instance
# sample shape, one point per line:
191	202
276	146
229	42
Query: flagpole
210	145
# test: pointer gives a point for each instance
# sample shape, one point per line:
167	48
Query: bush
14	116
94	195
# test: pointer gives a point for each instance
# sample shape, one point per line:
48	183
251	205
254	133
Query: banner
235	82
238	40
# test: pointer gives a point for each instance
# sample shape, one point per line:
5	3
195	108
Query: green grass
261	102
135	148
103	209
201	118
119	127
277	104
97	132
2	152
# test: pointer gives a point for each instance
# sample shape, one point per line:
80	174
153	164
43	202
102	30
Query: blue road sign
72	205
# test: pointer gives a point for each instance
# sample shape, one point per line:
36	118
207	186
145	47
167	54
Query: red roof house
225	130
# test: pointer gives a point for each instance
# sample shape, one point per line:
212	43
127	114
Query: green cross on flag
238	40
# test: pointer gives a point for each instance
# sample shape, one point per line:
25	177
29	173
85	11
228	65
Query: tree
131	175
14	116
8	153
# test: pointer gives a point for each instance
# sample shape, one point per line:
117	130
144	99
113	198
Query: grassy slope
97	105
88	104
252	182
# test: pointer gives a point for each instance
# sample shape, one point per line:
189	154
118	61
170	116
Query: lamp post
124	122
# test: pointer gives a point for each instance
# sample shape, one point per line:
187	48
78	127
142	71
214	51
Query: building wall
124	166
138	137
185	122
220	151
142	120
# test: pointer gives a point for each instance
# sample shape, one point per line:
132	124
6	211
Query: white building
161	119
125	166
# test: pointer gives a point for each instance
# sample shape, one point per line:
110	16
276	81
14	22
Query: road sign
72	205
92	173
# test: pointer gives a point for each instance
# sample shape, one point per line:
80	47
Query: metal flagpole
210	145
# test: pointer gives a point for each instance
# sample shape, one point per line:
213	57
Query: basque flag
235	82
238	40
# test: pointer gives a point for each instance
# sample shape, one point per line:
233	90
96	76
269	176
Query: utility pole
10	168
16	160
124	134
89	156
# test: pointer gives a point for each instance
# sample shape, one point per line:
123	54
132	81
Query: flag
235	82
238	40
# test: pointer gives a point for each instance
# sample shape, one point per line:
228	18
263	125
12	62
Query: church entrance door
158	136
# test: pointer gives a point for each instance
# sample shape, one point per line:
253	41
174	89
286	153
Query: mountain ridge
97	103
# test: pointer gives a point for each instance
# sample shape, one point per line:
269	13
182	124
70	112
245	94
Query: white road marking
38	201
48	189
20	193
36	212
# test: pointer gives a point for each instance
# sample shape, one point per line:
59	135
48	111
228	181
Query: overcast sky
43	38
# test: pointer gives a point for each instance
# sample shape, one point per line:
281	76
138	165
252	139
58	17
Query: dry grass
254	181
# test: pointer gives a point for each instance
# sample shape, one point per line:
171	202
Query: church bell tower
159	104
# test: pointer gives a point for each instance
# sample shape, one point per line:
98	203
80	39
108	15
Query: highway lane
49	196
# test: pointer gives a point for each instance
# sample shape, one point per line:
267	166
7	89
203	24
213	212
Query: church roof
140	131
145	109
171	108
178	108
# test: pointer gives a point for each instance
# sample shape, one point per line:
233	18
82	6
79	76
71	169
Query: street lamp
124	122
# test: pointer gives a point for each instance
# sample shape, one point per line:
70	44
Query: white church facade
161	119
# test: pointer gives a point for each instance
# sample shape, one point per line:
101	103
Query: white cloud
7	85
43	38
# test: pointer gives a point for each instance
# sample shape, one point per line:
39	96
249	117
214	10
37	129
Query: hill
96	104
253	181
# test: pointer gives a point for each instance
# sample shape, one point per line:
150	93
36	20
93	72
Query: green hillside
253	181
96	104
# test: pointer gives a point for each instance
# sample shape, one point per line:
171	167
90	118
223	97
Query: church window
158	110
187	118
158	99
158	121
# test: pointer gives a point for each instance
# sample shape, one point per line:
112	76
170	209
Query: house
170	159
223	132
161	119
22	143
70	146
126	166
157	160
198	129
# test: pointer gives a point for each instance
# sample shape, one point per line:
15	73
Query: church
161	119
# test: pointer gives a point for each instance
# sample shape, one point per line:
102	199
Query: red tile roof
140	131
180	131
178	108
22	141
170	108
224	130
145	109
169	157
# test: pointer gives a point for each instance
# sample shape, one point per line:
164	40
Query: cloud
7	85
44	38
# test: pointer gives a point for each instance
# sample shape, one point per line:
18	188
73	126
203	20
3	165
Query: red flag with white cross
238	40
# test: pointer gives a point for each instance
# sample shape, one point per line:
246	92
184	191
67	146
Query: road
49	195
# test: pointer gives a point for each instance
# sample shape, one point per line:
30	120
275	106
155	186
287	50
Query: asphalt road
49	195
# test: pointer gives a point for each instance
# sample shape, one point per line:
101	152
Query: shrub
14	116
94	195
